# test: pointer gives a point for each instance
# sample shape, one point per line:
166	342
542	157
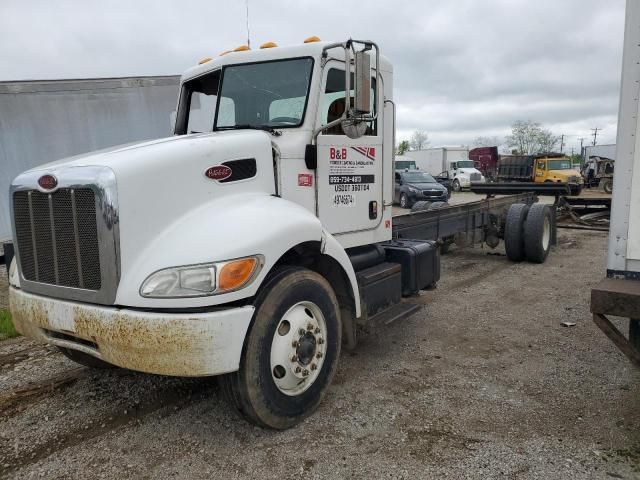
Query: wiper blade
247	126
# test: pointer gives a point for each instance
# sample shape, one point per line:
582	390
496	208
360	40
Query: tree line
527	138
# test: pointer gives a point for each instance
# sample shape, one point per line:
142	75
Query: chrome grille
475	177
57	237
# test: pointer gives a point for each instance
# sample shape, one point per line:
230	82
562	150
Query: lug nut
298	369
294	344
313	366
317	330
301	332
320	341
309	326
294	358
305	372
319	355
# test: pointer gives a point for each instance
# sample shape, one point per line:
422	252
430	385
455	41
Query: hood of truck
468	171
156	185
564	175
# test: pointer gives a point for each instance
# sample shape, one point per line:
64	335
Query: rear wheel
538	231
290	353
84	359
420	205
514	231
607	185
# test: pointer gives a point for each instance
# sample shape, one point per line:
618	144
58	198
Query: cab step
398	311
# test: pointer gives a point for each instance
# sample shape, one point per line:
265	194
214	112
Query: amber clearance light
236	273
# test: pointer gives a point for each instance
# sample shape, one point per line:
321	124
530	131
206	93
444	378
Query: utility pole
581	147
595	134
561	142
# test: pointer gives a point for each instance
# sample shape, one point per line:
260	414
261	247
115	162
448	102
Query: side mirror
362	104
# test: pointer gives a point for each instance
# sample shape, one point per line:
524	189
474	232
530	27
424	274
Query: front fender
225	228
331	246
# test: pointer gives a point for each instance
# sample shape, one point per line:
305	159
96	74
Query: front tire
456	186
291	350
607	185
404	201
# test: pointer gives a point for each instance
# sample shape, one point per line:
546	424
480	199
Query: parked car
414	185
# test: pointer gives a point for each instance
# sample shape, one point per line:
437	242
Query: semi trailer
618	295
251	243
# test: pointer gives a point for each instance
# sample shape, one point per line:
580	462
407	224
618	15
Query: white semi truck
619	293
250	243
451	163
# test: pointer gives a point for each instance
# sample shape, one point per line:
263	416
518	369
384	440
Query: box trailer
619	293
450	162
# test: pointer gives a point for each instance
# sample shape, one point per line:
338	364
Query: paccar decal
305	180
218	172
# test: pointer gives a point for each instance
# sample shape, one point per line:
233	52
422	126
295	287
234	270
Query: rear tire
538	232
438	205
85	359
291	350
514	231
420	206
607	185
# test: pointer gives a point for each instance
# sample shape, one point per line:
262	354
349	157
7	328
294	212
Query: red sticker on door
305	180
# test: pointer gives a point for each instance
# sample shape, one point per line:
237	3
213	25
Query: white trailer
248	244
449	162
619	293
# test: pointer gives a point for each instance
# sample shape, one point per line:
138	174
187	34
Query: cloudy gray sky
463	68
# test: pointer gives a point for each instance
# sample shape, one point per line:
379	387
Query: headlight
413	189
201	280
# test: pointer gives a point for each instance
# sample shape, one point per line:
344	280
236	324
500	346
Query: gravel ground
482	383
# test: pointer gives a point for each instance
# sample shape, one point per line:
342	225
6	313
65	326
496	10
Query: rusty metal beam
617	337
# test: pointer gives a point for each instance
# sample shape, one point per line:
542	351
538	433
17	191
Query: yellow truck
540	169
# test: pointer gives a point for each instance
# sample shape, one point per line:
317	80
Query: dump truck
541	168
250	243
618	295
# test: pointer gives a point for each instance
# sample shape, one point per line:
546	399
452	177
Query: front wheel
607	185
456	186
84	359
404	200
290	353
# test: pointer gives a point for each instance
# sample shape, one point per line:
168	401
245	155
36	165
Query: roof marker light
204	60
312	39
242	48
269	45
225	52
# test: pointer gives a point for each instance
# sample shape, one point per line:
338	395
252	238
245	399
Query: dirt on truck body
477	385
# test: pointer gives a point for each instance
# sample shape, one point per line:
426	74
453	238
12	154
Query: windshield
466	164
559	164
266	94
272	94
418	177
402	164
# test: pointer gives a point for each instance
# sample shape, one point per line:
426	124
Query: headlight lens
413	189
200	280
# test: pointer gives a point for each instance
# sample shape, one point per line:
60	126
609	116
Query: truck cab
558	169
462	173
247	245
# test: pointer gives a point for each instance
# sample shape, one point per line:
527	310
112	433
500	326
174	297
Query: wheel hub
298	348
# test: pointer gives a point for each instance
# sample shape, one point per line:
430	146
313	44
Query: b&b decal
337	153
369	152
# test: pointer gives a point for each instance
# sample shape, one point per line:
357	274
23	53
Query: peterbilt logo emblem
219	172
48	182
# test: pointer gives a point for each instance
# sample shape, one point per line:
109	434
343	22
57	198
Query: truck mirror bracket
311	157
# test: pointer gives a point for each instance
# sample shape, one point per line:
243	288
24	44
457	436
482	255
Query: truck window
197	107
333	102
559	164
270	94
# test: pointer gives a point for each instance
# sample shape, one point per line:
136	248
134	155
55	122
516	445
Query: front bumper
415	197
179	344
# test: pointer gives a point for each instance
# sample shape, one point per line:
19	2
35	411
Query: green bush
7	330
